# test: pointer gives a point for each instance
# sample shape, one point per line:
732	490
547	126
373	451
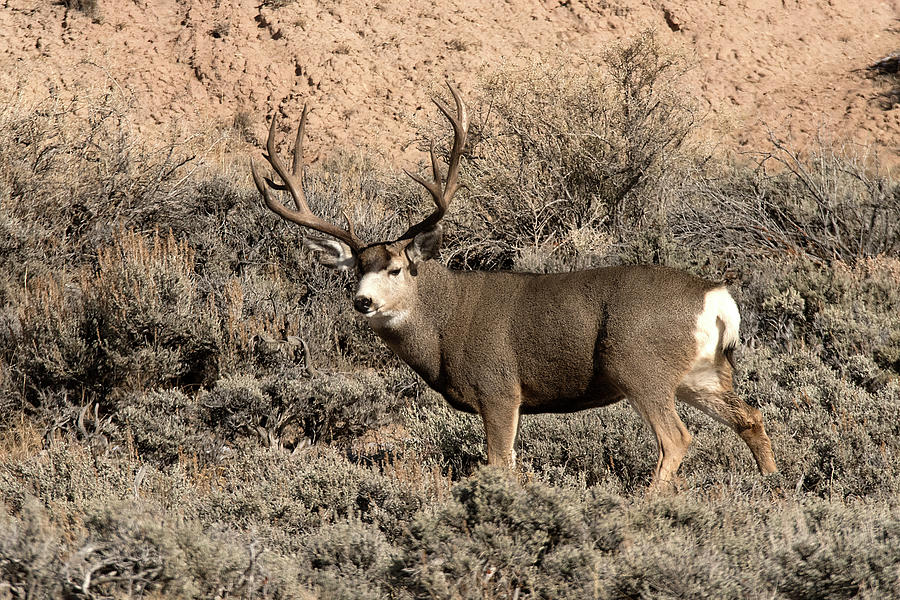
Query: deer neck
416	337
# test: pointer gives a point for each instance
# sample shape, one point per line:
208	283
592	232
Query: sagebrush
189	408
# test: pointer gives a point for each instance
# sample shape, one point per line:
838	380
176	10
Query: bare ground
797	68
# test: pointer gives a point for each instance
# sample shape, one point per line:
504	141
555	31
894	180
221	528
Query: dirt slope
797	67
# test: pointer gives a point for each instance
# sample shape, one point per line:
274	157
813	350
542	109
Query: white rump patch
718	304
702	383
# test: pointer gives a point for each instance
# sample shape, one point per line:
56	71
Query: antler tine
298	144
303	215
434	186
290	184
442	193
460	130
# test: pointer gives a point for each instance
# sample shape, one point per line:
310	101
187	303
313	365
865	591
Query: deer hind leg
501	424
672	437
709	389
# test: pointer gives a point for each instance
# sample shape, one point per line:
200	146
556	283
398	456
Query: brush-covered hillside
190	407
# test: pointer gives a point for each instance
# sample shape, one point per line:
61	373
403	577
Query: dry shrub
888	70
165	426
833	204
446	437
125	549
349	560
180	446
91	8
832	437
29	564
826	553
136	321
287	410
74	174
571	152
838	310
151	329
611	446
42	344
500	539
130	549
207	283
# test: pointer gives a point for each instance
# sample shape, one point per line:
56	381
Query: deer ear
333	254
425	245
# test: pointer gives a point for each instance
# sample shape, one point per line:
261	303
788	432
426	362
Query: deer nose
362	304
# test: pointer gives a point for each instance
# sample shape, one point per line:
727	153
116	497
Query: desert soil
794	67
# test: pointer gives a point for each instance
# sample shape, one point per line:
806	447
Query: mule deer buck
506	344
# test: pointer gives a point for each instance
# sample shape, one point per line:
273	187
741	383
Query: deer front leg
501	422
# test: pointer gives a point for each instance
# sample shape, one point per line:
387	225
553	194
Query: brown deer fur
505	344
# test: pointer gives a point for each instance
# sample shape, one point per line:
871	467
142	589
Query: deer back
559	339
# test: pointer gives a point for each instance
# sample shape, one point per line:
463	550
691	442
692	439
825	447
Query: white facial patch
388	293
373	286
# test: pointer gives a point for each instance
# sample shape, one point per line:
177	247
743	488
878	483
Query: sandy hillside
797	67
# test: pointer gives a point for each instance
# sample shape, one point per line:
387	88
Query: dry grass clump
189	407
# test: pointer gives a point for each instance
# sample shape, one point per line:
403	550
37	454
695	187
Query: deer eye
394	272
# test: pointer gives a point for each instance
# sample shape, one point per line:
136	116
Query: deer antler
303	215
443	193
